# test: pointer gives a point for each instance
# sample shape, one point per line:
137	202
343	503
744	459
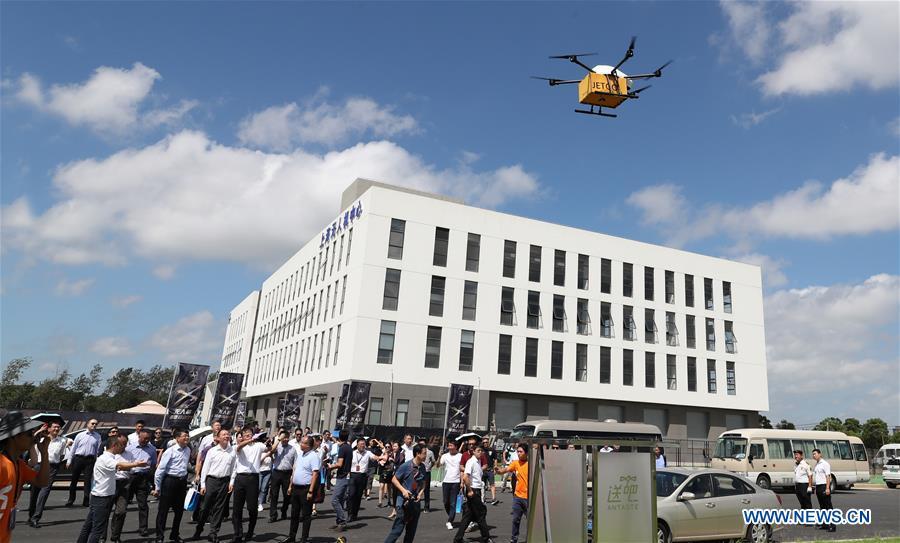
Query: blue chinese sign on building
343	222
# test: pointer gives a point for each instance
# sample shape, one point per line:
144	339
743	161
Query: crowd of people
235	472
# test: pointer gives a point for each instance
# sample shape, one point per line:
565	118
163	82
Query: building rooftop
358	187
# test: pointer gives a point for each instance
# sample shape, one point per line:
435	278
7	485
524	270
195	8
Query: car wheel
758	533
763	481
891	485
663	534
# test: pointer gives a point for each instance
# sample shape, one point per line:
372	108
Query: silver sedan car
698	505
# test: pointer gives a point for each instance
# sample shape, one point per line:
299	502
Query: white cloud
837	345
189	198
749	120
112	347
125	301
164	272
195	338
750	29
660	204
894	127
282	128
73	288
772	268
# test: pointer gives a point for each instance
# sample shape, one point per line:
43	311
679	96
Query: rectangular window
433	347
340	253
531	357
708	292
584	271
650	370
628	367
504	356
385	342
689	290
710	335
726	296
606	276
670	287
473	252
349	243
534	264
509	259
466	350
630	328
692	374
470	300
343	294
649	326
375	407
534	309
581	362
402	415
556	360
584	318
671	330
507	306
606	320
711	376
648	283
559	268
559	313
441	244
729	378
605	365
395	240
690	331
730	340
671	379
436	304
433	414
391	289
337	344
627	280
328	349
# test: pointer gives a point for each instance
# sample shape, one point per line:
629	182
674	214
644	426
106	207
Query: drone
604	86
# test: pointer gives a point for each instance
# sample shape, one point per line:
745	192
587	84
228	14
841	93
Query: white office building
413	291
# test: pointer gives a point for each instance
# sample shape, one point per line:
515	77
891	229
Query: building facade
412	292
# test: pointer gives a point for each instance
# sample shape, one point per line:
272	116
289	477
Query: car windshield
520	431
731	447
667	482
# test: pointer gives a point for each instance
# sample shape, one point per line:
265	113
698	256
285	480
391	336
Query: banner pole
446	419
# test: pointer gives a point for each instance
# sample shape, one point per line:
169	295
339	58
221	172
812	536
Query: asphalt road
62	524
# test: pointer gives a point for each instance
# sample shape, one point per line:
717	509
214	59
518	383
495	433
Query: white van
884	454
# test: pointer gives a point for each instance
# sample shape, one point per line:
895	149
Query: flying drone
604	86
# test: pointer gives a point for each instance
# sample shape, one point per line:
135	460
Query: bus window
545	433
846	452
757	450
731	447
780	448
828	448
860	452
805	445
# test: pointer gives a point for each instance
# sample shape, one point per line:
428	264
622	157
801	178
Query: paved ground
62	524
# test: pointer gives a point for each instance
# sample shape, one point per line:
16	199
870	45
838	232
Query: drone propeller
658	72
571	56
642	89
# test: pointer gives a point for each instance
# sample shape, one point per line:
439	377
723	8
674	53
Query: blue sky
148	148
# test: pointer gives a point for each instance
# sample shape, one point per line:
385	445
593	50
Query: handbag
191	499
459	503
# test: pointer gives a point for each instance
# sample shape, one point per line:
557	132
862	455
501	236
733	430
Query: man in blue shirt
304	480
139	484
408	481
171	485
82	455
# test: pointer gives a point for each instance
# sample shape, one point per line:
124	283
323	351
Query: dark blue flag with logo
187	391
459	401
226	398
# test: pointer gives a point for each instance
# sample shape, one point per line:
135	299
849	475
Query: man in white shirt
283	455
475	510
120	503
822	479
803	480
104	490
359	475
245	482
450	484
141	478
304	480
136	434
80	459
215	484
298	438
55	453
407	447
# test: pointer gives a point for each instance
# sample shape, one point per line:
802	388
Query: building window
606	275
650	370
349	243
385	342
507	307
670	287
708	292
627	280
559	313
441	244
671	330
433	414
726	296
649	326
690	332
630	328
531	357
559	268
534	309
509	259
689	290
583	317
473	252
504	356
391	289
433	347
337	345
395	240
376	405
729	378
466	350
671	379
710	335
436	304
606	320
343	295
692	374
628	367
581	369
605	365
402	414
711	376
470	300
648	283
556	360
584	269
534	264
730	340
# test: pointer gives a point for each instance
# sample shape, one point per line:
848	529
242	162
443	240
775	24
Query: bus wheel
834	484
763	481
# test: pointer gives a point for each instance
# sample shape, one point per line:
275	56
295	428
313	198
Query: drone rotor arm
553	81
628	54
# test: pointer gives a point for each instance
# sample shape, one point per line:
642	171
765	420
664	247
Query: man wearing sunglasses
82	455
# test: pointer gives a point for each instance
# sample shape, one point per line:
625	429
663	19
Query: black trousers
804	497
450	492
38	498
427	497
171	496
120	508
357	489
301	511
139	488
214	503
280	481
824	501
82	466
246	491
94	527
474	511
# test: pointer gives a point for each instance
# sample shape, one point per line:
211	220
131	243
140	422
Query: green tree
764	422
785	425
156	383
53	393
832	424
875	433
12	393
852	427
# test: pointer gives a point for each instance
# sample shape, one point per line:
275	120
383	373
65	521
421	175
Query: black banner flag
185	396
341	419
240	414
357	404
225	401
460	399
292	405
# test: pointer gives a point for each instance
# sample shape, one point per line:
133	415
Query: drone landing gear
598	112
